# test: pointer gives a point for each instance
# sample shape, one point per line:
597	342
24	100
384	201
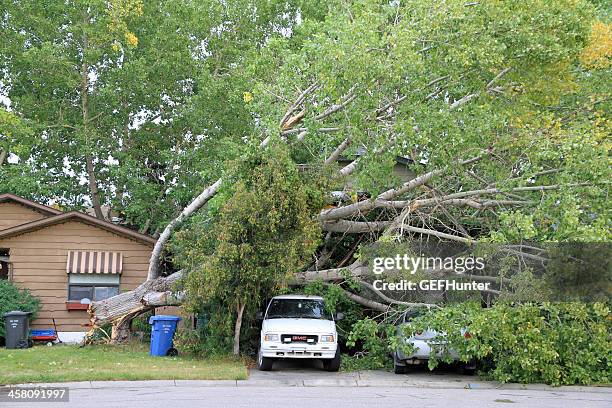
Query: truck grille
299	338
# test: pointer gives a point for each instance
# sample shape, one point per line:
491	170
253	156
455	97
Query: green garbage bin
17	327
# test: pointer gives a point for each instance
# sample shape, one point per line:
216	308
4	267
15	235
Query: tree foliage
172	100
162	110
552	343
262	234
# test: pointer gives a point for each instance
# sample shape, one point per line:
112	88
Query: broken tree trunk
162	292
121	309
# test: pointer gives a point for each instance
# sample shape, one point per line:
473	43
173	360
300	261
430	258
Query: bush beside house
13	298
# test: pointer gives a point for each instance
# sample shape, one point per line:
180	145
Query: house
401	173
67	259
401	169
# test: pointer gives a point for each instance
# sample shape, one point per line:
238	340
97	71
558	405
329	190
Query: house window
4	264
84	289
92	276
81	293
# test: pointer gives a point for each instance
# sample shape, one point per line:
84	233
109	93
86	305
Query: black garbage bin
17	328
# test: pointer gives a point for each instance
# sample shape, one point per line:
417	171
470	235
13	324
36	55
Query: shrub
101	335
141	327
13	298
264	232
212	337
376	341
553	343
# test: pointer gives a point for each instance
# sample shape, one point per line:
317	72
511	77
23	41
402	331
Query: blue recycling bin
162	333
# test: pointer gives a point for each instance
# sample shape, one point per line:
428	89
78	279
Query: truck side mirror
259	315
339	316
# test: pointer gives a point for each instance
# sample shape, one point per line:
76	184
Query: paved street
298	384
304	384
188	396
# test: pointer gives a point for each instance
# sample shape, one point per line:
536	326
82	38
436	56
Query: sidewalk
309	378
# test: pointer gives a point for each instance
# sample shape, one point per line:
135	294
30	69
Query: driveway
310	373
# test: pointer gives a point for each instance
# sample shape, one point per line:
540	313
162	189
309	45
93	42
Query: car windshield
297	309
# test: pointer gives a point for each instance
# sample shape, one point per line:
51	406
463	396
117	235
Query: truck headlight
327	339
271	337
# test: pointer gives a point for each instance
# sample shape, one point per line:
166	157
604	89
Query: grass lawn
97	363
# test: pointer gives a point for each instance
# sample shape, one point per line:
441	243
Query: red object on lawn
45	334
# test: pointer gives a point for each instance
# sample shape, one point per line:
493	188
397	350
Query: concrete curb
323	382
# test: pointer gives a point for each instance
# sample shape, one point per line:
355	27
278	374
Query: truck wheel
399	369
264	363
334	363
467	369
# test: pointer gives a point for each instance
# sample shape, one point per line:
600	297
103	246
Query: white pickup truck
298	326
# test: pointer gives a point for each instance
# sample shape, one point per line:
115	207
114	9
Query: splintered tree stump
121	309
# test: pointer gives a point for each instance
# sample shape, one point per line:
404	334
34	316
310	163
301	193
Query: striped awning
94	262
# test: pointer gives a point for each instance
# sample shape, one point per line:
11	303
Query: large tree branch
402	98
349	168
354	227
441	235
463	100
327	275
288	122
459	200
381	307
194	206
336	153
350	97
299	100
494	190
366	205
498	77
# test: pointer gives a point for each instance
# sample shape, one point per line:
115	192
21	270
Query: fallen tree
476	168
159	291
344	218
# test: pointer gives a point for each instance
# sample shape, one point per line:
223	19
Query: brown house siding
12	214
39	258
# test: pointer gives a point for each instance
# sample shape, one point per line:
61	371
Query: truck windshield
297	309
